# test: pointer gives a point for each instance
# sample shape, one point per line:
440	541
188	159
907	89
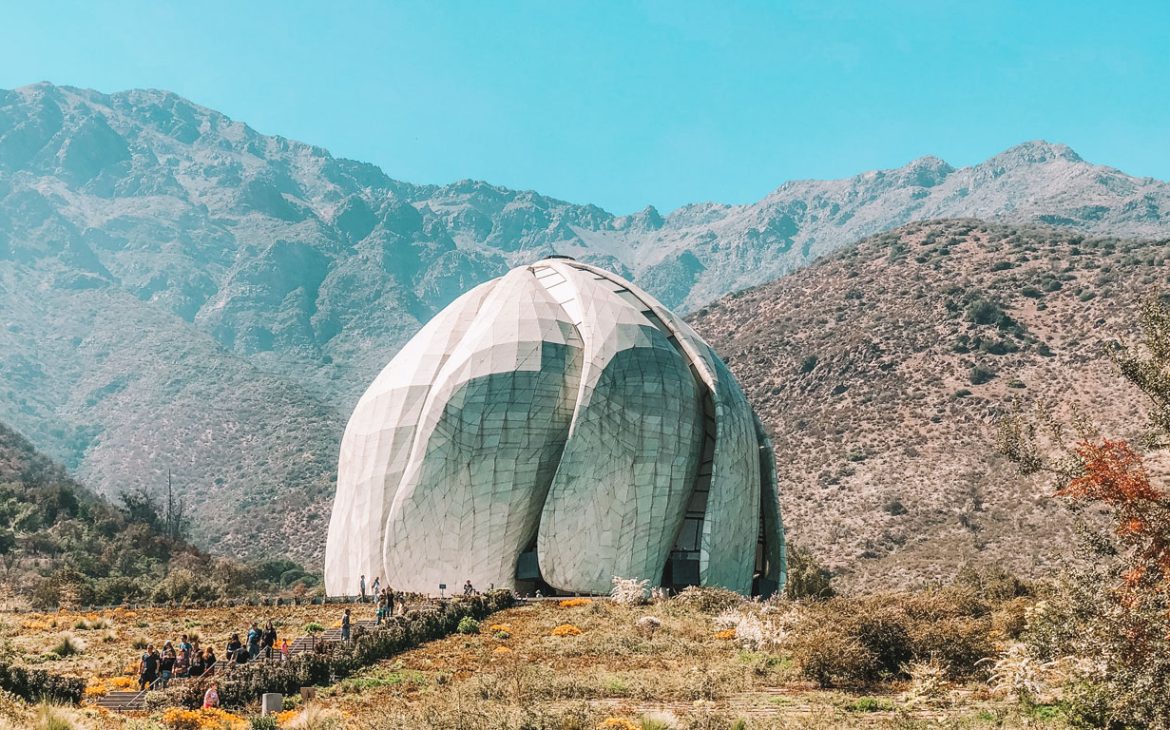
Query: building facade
549	430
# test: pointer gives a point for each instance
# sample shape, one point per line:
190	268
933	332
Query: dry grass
680	676
518	674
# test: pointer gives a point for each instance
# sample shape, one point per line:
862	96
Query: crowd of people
387	598
156	668
186	658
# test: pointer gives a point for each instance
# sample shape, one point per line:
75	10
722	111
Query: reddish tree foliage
1114	474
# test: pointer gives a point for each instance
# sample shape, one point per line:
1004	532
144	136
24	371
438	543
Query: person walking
268	640
363	587
284	650
468	589
196	667
234	647
166	665
211	696
148	668
376	588
345	625
182	663
254	635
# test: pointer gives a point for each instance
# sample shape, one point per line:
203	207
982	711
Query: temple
549	430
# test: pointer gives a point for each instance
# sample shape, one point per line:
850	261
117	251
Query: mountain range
180	293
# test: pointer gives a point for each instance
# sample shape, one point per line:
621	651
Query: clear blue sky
623	103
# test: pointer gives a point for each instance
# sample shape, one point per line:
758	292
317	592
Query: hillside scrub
37	685
61	544
860	640
881	370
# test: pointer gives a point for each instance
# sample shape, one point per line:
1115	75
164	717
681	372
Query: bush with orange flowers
566	630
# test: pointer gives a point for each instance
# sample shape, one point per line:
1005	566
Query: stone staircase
123	701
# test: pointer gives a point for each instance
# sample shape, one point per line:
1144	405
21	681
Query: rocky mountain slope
179	292
882	372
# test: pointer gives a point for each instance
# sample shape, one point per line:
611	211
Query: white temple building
549	430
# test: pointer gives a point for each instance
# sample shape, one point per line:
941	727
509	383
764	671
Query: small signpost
442	587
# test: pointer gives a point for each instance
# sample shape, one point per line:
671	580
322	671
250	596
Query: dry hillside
882	372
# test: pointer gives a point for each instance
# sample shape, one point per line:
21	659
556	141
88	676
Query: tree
1113	609
807	578
174	524
141	507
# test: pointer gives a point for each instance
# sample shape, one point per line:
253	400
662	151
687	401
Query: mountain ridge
179	291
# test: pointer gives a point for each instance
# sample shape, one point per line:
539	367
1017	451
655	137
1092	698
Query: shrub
980	375
807	578
648	625
828	657
177	718
52	718
894	507
317	718
708	599
870	704
35	685
927	680
950	626
751	631
884	630
467	625
630	591
959	642
67	646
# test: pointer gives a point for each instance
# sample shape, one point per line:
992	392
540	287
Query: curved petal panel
488	444
377	443
625	478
